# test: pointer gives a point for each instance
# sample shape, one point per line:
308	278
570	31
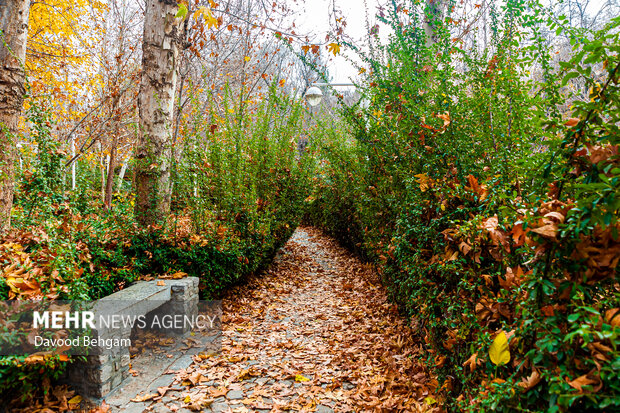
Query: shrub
489	212
251	182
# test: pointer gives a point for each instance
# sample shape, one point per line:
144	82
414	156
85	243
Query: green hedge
239	193
487	211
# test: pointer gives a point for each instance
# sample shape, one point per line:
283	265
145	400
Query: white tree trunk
73	164
121	174
13	38
433	15
160	62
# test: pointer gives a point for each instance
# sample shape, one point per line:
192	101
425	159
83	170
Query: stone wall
99	373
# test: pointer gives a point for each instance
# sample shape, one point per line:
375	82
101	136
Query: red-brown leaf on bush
571	122
498	237
600	153
531	381
547	231
556	215
472	362
613	317
512	278
581	381
480	190
464	248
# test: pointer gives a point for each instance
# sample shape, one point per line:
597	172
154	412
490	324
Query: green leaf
568	77
182	11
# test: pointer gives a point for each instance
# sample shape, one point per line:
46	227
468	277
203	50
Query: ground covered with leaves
315	332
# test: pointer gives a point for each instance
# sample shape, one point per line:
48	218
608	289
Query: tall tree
120	69
13	39
432	21
161	44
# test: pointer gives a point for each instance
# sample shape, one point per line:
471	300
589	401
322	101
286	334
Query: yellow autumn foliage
499	352
61	55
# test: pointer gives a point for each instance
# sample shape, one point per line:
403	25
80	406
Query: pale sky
314	17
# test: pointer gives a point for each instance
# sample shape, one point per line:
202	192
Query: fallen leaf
613	317
198	403
299	378
430	400
472	362
162	390
144	398
75	400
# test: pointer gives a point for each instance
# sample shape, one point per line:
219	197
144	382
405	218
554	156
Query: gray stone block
235	394
220	407
104	370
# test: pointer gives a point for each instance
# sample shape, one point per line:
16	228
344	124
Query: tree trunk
160	61
432	21
13	38
109	185
121	174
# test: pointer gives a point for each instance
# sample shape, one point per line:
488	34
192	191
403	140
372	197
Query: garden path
315	332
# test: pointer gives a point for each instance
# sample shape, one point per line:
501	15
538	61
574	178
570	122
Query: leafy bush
489	212
250	184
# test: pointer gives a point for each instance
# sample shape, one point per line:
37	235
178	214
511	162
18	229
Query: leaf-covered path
315	332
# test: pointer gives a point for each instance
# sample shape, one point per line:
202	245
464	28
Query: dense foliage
239	189
481	178
488	198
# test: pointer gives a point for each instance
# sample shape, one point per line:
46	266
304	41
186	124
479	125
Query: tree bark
121	174
432	21
116	119
160	61
13	38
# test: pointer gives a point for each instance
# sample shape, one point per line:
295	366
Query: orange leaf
144	398
472	362
613	317
334	48
531	381
581	381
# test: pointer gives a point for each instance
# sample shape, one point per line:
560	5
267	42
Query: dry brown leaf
472	362
581	381
198	402
531	381
464	248
162	390
549	230
613	317
144	397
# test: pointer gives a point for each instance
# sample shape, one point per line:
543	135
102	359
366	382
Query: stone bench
104	370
